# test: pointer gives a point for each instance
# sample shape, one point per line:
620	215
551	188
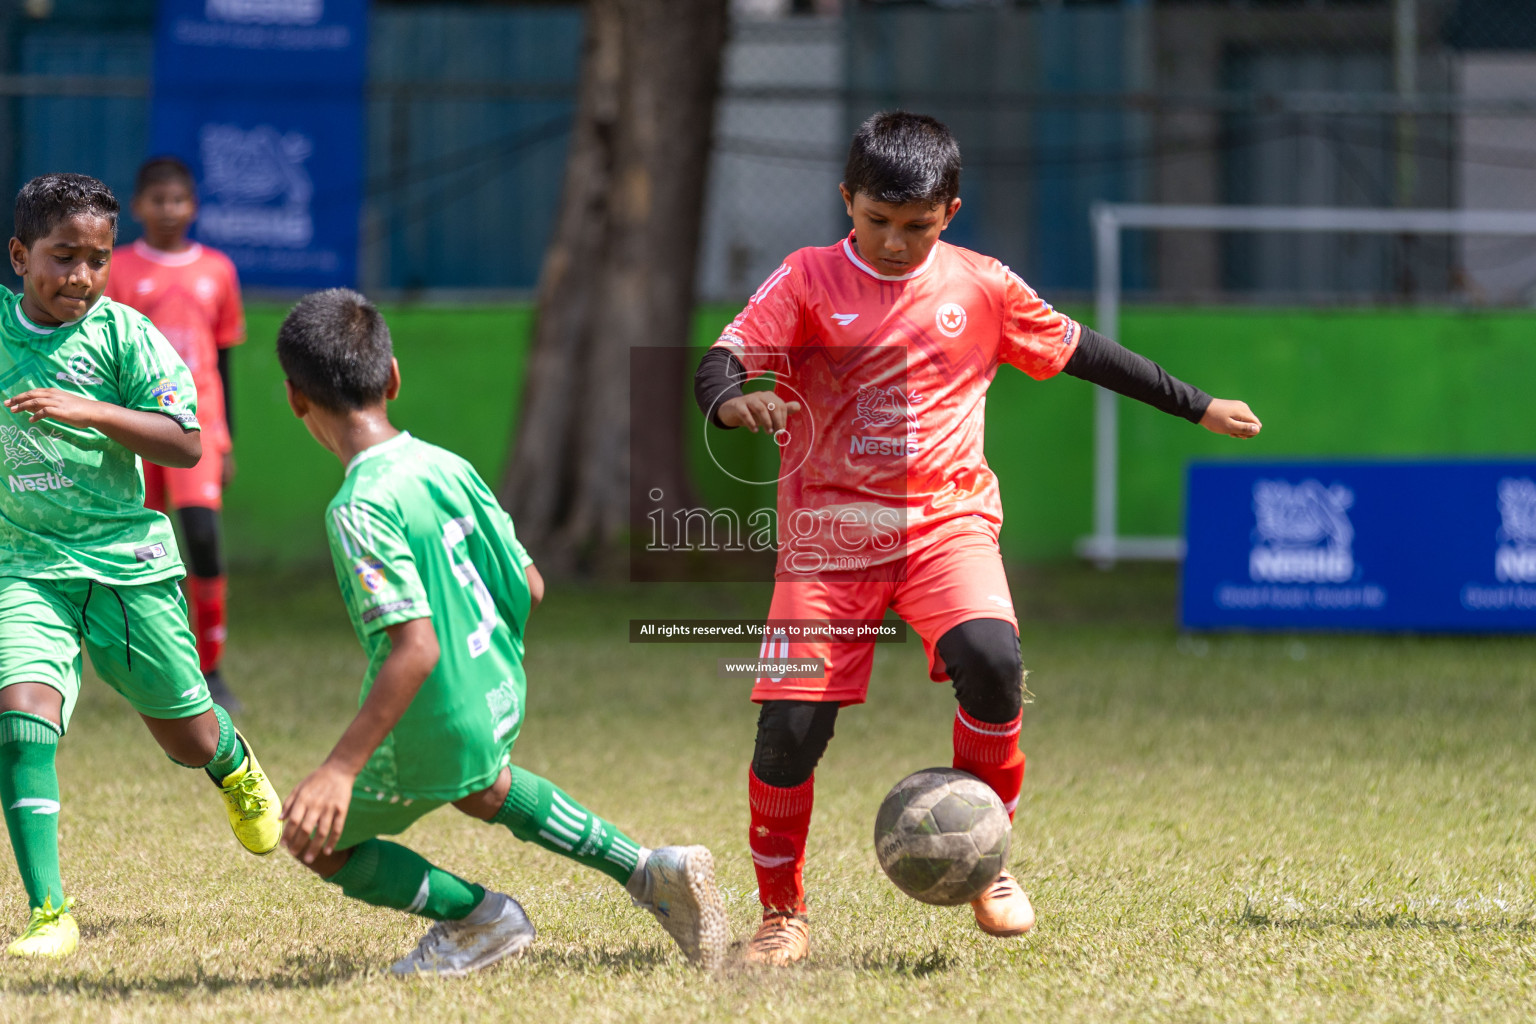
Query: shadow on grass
913	965
306	971
600	961
1391	920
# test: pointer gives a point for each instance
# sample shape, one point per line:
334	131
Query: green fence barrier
1377	383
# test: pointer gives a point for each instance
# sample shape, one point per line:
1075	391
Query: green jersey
415	532
72	500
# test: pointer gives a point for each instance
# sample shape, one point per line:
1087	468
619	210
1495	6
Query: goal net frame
1105	545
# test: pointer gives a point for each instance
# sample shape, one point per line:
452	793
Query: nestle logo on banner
265	12
1302	533
1515	559
259	187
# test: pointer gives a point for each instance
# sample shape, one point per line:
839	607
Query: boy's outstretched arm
316	811
149	435
1108	364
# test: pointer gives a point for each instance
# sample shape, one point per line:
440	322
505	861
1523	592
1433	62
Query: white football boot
496	929
676	884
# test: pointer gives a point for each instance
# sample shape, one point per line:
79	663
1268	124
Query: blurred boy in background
192	294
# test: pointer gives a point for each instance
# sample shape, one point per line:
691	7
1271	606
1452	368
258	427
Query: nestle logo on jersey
21	482
882	446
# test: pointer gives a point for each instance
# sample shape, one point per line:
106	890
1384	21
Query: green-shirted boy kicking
91	387
439	589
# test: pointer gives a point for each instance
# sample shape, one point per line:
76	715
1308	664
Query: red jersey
193	297
886	456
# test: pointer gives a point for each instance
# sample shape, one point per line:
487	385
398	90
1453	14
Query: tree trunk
618	275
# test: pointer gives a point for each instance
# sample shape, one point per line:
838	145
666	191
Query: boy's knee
486	803
791	737
200	530
986	666
36	699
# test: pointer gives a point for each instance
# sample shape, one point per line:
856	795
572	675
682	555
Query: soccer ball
942	836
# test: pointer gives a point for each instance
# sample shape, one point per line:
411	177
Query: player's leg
39	680
986	667
209	587
792	735
793	730
676	884
474	927
956	597
197	493
139	642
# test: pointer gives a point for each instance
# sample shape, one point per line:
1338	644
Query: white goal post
1105	545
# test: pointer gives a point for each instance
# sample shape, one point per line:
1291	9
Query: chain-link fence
1359	103
1391	103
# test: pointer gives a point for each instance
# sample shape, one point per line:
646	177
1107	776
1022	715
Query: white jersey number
456	532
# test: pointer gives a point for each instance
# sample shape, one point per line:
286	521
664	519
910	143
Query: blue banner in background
1435	546
264	100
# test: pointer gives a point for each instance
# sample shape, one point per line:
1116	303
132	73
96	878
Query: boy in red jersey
883	346
191	293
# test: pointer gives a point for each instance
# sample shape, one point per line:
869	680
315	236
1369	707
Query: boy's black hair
163	168
50	198
334	348
899	157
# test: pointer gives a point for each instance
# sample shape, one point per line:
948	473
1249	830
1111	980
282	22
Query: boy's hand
53	404
757	410
316	811
1231	417
227	475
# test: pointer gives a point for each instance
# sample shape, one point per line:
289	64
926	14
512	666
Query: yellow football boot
255	810
50	932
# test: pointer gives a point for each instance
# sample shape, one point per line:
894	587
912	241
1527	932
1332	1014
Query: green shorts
137	637
372	814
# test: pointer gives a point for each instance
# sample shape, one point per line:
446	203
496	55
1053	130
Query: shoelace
45	915
785	934
248	796
1000	888
432	943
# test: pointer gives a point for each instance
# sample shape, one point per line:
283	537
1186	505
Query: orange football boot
1003	910
782	939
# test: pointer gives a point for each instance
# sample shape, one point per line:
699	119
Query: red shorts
199	486
949	582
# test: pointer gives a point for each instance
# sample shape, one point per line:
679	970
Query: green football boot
50	932
255	810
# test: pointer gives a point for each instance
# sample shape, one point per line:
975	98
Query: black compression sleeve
718	379
1098	360
229	405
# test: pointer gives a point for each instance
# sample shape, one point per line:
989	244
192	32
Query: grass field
1254	828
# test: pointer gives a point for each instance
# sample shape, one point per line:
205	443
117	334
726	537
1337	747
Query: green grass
1223	828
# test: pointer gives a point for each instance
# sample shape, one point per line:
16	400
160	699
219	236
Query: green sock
29	789
390	875
537	811
230	753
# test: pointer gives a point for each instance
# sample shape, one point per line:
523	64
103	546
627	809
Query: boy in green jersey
439	589
90	387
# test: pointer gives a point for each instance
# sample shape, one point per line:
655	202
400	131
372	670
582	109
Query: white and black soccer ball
942	836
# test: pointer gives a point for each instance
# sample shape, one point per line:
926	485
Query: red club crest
950	319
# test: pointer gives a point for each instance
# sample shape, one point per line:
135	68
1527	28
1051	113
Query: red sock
990	751
781	819
208	619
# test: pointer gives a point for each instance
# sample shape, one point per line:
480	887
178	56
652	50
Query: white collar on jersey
377	449
853	257
26	321
184	258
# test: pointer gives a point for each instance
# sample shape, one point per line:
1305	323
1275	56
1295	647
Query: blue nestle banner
1356	545
264	100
